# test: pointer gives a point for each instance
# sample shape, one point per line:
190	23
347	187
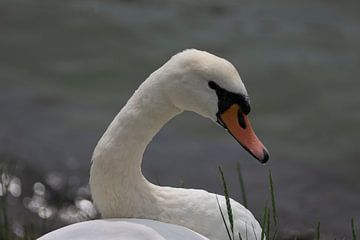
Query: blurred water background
67	67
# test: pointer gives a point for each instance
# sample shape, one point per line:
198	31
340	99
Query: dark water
66	69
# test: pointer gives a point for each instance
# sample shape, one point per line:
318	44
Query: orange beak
240	128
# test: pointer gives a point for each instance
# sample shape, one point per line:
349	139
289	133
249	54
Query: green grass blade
275	233
156	178
227	198
264	222
272	192
182	183
242	185
223	218
353	229
3	211
318	231
268	226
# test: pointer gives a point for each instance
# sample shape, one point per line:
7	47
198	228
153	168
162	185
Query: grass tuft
223	218
272	192
268	226
264	222
4	223
227	199
242	185
269	220
318	231
353	229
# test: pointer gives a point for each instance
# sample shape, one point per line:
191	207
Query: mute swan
191	80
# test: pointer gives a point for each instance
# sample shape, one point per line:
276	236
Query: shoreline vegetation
269	223
82	209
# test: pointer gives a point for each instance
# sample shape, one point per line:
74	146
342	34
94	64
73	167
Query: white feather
121	229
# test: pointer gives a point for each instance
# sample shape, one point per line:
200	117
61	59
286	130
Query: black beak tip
265	158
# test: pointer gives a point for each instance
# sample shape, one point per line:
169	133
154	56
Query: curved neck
116	165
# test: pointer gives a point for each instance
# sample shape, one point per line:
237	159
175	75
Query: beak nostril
241	119
239	126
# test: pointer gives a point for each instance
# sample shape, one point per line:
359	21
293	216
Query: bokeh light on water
55	180
40	202
10	184
18	230
15	186
78	210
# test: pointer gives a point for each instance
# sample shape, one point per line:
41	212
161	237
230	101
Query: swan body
121	229
191	80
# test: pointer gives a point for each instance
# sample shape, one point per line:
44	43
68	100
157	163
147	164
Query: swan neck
116	178
134	127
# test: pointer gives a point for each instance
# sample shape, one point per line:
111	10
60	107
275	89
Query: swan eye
227	98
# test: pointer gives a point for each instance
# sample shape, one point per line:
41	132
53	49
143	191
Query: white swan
195	81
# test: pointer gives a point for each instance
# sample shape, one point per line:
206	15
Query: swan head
211	86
